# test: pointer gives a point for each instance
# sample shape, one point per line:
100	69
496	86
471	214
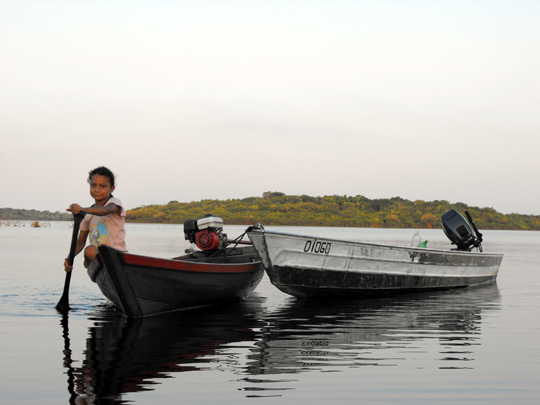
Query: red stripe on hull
145	261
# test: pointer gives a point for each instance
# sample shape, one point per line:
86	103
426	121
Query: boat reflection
263	341
125	356
422	330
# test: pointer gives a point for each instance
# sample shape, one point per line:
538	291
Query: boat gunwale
382	245
186	265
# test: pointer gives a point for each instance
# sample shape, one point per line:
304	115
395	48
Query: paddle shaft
63	304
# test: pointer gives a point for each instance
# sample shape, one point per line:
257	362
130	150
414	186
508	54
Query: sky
191	100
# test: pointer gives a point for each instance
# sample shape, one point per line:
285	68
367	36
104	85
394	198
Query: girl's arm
81	242
99	211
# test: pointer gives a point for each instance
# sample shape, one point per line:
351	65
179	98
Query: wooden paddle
63	304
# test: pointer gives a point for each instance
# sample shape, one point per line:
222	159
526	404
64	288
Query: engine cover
207	240
457	229
210	222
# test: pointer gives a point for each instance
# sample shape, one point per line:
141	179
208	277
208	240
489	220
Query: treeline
275	208
33	215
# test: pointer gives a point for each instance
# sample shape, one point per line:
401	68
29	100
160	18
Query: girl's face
100	188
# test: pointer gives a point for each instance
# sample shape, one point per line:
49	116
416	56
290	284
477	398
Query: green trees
276	208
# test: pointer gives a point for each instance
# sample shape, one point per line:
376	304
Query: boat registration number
315	246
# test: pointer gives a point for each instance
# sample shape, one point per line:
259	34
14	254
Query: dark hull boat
305	266
143	285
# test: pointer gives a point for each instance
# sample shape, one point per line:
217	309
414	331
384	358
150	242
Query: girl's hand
67	267
75	208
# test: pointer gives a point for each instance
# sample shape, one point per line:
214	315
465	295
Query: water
459	346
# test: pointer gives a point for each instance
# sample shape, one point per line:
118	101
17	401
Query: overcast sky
190	100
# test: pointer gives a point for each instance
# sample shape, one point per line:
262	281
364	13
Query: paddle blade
63	304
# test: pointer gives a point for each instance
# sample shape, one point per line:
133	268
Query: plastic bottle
415	241
423	244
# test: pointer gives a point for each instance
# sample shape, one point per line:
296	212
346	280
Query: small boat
143	285
306	266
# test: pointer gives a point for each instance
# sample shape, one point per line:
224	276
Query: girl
104	222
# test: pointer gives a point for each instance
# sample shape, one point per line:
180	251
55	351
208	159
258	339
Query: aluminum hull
143	285
305	266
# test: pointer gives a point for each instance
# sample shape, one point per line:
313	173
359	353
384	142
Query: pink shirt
108	229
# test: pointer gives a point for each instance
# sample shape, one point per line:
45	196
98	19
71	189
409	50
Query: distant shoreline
278	209
47	224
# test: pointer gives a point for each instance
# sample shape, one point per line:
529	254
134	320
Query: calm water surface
477	345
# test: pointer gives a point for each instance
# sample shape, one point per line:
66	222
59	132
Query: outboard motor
206	233
459	232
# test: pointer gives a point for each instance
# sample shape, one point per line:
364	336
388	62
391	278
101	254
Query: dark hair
102	171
